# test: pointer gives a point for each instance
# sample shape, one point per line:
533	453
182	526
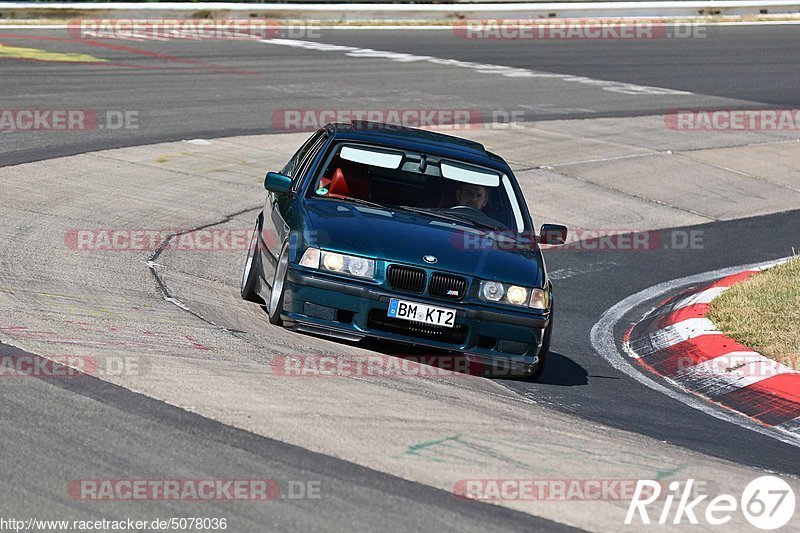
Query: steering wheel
468	209
475	214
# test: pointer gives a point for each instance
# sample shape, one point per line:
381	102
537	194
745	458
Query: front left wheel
275	305
534	372
543	351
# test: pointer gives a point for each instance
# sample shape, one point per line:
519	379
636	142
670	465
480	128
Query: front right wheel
250	272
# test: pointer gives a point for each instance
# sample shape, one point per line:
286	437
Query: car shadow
563	371
559	370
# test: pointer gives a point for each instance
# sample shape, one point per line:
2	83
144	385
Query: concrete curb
375	11
677	342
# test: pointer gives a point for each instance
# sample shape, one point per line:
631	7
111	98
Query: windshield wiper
465	218
484	225
452	217
358	201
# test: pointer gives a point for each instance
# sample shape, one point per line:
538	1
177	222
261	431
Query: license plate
417	312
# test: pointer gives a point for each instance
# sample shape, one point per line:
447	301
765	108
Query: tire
275	304
534	374
250	272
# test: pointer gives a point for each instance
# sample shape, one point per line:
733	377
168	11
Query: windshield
427	185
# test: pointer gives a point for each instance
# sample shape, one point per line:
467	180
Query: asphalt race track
211	89
58	430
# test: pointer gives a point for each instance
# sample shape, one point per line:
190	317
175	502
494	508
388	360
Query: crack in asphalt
161	285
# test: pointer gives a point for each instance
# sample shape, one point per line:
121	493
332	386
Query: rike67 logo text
767	503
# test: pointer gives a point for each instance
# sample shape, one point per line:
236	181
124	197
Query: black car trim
301	278
495	316
491	360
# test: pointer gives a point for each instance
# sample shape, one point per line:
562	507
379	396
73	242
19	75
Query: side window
305	164
292	166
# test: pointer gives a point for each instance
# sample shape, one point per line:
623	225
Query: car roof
417	140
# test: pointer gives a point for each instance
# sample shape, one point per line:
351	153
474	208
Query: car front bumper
353	310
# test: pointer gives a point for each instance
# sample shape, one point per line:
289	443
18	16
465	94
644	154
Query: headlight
517	295
540	299
310	258
494	291
332	261
360	267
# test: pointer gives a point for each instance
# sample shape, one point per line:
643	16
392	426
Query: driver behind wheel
472	195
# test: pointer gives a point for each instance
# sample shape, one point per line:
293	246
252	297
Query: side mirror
276	182
554	234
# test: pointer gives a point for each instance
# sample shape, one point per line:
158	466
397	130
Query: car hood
405	237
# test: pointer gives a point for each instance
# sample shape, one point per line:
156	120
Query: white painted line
674	334
483	68
702	297
684	330
689	5
602	338
792	426
762	268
